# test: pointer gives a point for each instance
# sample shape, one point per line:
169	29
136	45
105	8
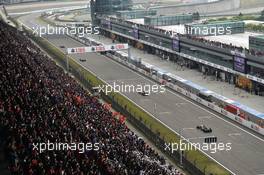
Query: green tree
261	15
196	16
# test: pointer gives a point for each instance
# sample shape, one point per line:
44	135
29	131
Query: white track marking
185	99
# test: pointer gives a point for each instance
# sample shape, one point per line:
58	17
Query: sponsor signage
239	64
106	23
100	48
204	62
135	33
176	44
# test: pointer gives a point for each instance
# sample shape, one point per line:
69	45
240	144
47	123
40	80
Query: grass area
255	27
251	27
235	18
201	161
241	17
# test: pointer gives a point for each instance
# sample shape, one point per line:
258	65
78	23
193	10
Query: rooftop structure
137	21
133	14
168	20
253	22
216	28
239	40
99	7
174	28
256	42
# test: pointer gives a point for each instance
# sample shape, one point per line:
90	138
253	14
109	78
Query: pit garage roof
239	40
137	21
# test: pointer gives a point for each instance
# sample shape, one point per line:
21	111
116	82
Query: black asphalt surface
35	6
247	154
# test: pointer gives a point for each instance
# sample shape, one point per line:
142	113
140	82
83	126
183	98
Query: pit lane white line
190	102
123	80
188	128
204	117
145	100
149	112
161	113
180	104
185	100
234	134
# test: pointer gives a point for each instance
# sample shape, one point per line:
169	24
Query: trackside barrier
194	97
247	123
196	162
190	95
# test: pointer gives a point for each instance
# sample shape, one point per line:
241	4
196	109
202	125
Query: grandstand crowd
196	38
40	103
226	46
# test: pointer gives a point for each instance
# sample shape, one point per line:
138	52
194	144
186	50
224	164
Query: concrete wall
252	3
16	1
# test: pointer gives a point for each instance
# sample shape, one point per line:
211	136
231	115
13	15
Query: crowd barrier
196	162
253	126
250	114
149	130
194	97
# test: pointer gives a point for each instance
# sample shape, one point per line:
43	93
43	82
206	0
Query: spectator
39	102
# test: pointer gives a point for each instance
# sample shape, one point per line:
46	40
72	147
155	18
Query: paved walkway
222	88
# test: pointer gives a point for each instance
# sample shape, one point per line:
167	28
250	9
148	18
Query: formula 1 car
82	59
204	129
143	93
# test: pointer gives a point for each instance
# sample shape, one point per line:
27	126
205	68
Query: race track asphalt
247	154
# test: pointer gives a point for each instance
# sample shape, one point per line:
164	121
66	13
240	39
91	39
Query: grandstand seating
39	102
200	39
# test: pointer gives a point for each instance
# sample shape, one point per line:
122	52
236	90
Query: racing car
204	128
144	93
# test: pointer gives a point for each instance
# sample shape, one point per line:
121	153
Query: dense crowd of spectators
40	103
226	46
200	39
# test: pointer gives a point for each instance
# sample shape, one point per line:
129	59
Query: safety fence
194	161
177	87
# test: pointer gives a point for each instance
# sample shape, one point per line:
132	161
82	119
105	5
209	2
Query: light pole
67	62
129	52
147	37
130	32
182	138
155	108
222	90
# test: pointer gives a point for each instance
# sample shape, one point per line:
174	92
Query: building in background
100	7
134	14
168	20
256	43
215	28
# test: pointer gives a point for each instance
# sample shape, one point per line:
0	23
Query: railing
178	88
151	127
